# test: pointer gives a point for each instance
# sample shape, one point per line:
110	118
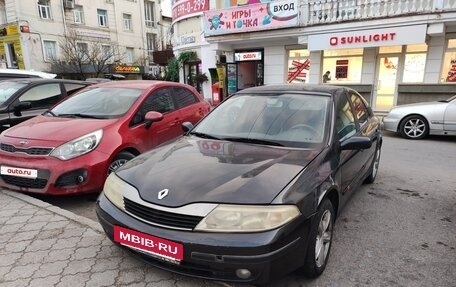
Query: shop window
449	63
298	66
414	64
345	66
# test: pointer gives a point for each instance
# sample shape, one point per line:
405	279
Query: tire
320	240
374	166
414	127
120	160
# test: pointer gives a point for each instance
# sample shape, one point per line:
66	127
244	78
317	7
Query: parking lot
399	231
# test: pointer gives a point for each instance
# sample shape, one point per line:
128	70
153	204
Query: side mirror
186	127
152	117
20	107
355	143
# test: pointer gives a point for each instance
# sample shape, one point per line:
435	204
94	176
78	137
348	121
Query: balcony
332	11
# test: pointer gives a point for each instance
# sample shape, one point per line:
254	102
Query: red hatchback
74	146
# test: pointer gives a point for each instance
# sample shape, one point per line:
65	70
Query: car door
368	126
350	161
191	108
40	97
449	117
159	100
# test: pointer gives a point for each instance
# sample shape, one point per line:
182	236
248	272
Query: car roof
313	88
41	80
31	73
137	84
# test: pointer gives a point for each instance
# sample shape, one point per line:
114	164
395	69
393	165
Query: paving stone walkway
43	245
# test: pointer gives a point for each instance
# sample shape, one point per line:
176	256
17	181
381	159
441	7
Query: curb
52	208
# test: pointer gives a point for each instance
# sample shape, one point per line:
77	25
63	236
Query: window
78	15
102	18
149	13
44	9
449	63
184	97
160	101
298	66
151	40
345	66
359	108
50	53
42	96
130	55
127	24
345	121
83	51
415	62
71	88
107	54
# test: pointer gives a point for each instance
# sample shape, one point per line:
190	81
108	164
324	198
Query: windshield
98	103
7	89
293	120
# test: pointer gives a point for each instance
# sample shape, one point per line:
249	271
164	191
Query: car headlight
78	147
113	188
241	218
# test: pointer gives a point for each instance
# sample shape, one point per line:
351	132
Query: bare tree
83	55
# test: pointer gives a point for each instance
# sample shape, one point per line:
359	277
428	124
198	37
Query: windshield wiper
78	116
254	141
204	136
49	112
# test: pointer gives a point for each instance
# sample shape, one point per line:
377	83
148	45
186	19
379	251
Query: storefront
10	48
377	58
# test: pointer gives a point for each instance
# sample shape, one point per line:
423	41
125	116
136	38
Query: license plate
20	172
157	247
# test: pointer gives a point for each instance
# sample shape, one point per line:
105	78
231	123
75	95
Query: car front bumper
84	174
219	256
391	123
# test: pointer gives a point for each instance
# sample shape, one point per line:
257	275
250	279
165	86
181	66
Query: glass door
387	75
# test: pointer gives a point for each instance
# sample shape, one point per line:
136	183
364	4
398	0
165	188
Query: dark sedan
252	191
22	99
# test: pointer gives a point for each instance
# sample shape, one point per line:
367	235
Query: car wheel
120	160
374	166
414	127
319	241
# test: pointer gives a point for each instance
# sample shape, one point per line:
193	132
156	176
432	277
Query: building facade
96	36
393	52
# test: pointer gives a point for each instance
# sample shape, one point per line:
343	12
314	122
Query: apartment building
91	36
392	51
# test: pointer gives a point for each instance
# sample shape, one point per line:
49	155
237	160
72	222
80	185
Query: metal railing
329	11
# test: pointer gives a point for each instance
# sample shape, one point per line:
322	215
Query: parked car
416	121
22	99
72	147
15	73
252	191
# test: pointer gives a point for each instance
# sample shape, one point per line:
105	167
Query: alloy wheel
323	241
116	164
414	128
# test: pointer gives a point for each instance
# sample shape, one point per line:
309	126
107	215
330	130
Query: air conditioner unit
68	4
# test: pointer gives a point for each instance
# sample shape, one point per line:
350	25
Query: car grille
25	182
29	151
160	217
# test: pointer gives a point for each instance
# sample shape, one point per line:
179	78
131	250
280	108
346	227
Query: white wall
275	65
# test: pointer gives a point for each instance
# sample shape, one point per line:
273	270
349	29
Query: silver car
415	121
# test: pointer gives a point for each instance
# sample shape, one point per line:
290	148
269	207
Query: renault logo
163	193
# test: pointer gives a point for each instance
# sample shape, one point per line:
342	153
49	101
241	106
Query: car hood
197	170
56	129
427	106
